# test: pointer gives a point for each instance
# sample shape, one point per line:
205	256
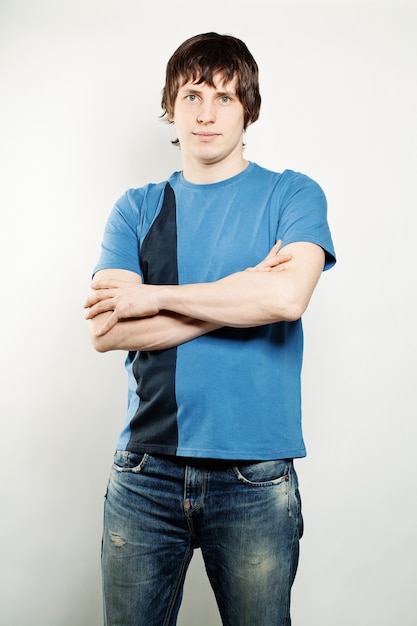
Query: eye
191	97
225	99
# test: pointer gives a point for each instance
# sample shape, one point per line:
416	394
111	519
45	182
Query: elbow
293	313
292	309
99	346
100	343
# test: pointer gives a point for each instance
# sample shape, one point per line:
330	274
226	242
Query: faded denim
245	517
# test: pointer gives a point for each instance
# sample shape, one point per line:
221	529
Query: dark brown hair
200	58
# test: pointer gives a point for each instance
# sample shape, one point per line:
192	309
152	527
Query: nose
206	113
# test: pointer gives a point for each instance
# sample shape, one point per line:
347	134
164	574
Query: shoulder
139	205
299	191
134	198
297	180
286	182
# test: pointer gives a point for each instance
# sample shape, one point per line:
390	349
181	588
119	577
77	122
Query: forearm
246	299
162	331
242	299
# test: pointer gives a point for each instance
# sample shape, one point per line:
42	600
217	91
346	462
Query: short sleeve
303	214
120	244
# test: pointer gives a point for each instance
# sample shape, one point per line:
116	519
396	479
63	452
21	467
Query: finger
278	268
278	259
90	301
108	325
99	284
274	250
102	306
277	246
259	268
99	295
272	254
270	263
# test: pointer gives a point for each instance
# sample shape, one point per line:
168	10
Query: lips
206	136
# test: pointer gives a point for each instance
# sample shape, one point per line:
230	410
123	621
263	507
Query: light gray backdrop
81	83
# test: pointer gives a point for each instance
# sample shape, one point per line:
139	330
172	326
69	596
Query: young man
203	280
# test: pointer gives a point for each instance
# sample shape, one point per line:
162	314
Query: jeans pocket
126	461
264	473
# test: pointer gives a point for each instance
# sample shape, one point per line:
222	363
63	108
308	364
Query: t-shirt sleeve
303	215
120	244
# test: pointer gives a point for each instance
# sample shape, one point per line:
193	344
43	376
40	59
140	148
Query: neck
208	173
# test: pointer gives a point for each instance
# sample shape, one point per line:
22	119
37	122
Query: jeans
244	516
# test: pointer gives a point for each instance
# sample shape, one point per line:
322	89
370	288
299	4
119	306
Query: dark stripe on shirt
154	427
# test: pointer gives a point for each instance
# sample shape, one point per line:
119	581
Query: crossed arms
125	314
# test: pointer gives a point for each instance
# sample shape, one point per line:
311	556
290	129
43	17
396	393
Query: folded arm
243	299
158	332
248	299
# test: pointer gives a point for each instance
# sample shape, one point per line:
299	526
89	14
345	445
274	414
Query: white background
80	95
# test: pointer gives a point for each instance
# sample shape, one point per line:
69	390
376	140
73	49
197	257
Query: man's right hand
273	262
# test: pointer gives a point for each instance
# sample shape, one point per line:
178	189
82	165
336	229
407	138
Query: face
209	123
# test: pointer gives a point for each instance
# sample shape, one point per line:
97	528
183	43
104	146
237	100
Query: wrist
164	297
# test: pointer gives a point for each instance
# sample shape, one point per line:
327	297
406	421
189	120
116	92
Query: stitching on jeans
177	586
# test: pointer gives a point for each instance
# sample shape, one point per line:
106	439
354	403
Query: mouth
206	136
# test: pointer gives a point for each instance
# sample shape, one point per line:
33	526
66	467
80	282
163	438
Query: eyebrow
195	89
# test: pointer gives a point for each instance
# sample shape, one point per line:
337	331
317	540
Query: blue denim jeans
244	516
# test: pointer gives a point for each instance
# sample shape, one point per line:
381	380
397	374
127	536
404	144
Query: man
203	279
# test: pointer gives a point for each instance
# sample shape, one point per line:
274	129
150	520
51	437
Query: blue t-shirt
234	393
